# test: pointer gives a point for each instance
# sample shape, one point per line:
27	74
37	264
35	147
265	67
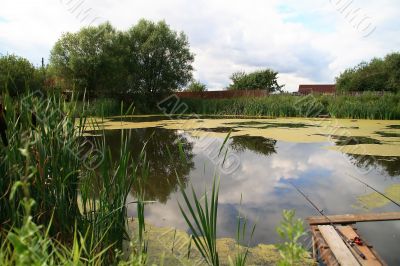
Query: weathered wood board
354	218
338	247
372	259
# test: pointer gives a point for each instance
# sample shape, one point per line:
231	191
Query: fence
222	94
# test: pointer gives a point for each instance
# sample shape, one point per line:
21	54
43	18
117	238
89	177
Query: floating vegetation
161	239
375	200
219	129
302	130
393	126
265	125
388	134
140	118
352	140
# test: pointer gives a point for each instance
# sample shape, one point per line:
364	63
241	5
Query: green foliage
376	75
366	106
259	80
17	74
47	151
31	245
149	59
71	181
203	222
100	107
196	86
242	253
86	60
158	59
290	231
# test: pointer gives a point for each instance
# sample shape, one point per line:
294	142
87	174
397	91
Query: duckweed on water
375	200
303	130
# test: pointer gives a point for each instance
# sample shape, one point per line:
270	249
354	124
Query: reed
49	155
203	222
242	252
365	106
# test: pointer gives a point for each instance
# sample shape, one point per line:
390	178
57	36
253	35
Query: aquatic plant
242	252
290	231
365	106
76	183
31	244
203	222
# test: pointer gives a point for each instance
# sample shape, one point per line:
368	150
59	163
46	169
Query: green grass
366	106
290	230
202	221
242	253
79	193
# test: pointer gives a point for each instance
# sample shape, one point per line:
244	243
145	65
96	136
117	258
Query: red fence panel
221	94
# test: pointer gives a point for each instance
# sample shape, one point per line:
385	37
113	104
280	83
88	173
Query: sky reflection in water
266	167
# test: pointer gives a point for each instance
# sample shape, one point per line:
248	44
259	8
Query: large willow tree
147	61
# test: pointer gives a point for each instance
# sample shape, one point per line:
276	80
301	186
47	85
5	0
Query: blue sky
305	41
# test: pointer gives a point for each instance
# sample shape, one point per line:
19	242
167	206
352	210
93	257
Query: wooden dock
328	243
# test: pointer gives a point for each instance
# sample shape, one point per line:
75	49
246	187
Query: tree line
379	74
150	60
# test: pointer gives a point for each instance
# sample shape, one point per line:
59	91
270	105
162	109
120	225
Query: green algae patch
375	200
352	140
169	246
388	134
363	137
386	150
219	129
393	126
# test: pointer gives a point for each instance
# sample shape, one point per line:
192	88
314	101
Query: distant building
317	88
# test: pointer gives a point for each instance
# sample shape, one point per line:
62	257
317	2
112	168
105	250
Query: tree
158	59
196	86
17	75
375	75
266	79
392	66
149	60
83	60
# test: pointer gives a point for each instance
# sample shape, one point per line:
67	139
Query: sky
305	41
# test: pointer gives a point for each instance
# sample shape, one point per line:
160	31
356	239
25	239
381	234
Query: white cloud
306	42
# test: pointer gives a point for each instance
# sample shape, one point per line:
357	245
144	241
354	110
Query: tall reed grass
366	106
48	159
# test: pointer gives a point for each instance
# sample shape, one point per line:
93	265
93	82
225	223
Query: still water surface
261	170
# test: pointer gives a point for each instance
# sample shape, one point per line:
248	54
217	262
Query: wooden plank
354	218
371	259
325	253
338	247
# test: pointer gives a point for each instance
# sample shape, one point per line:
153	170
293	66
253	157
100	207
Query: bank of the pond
366	106
170	246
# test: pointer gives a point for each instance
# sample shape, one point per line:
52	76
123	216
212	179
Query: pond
263	156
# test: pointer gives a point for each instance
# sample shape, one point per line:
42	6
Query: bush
376	75
290	231
16	75
196	86
259	80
